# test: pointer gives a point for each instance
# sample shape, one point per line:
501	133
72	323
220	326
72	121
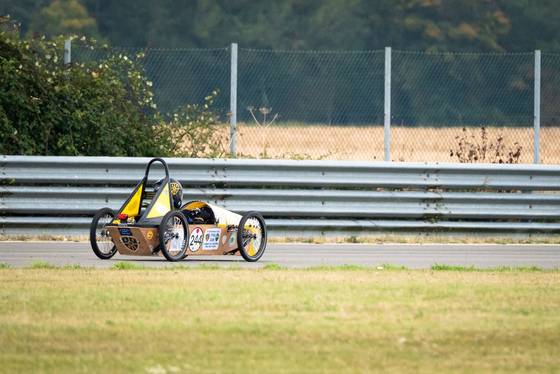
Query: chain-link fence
550	109
179	76
445	107
315	104
436	95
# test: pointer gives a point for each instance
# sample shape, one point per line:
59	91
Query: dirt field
366	143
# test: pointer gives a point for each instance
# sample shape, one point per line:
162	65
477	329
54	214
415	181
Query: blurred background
311	73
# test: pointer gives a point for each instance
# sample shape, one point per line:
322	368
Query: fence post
387	132
537	110
233	99
67	51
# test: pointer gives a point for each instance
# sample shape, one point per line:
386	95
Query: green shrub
196	131
102	108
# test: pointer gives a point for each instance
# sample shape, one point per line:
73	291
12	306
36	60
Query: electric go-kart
156	223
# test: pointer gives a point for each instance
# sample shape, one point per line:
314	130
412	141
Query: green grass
452	268
338	267
40	264
525	269
75	267
272	266
344	319
125	265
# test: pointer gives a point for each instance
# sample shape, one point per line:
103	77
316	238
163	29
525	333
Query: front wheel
101	241
252	236
174	235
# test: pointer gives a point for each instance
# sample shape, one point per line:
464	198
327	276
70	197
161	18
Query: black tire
174	235
251	233
101	241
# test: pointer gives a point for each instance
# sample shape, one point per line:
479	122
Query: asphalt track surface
414	256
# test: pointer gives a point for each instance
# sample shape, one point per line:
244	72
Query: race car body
167	227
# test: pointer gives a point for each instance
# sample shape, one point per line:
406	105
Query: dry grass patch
366	143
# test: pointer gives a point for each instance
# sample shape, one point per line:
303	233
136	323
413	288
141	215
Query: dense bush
100	108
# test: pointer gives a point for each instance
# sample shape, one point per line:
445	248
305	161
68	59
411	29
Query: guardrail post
537	110
387	132
233	99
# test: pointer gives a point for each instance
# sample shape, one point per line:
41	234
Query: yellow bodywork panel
133	206
195	204
162	205
255	244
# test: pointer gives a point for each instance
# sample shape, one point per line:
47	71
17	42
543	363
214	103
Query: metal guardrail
282	173
299	203
57	195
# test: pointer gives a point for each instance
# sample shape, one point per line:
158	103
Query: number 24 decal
195	240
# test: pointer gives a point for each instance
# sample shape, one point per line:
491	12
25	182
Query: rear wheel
174	236
101	241
251	236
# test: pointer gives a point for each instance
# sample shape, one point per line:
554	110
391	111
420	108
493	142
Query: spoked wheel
251	236
174	236
99	236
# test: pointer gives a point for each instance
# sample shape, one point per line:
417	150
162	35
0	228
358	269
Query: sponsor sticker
130	242
150	235
232	240
125	232
160	208
211	239
195	241
174	188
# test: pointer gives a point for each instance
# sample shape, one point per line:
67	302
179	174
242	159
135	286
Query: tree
415	25
437	25
67	18
535	25
25	11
